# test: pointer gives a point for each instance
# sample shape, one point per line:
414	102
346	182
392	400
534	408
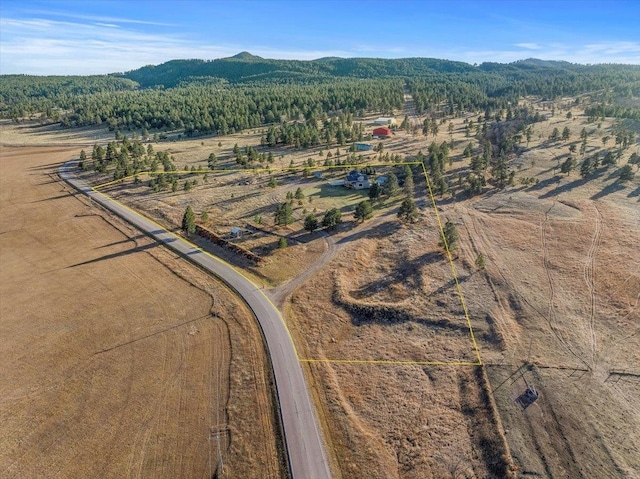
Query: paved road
307	456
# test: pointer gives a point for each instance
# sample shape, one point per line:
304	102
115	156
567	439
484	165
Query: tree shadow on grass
545	183
126	240
107	257
635	193
614	174
409	273
564	188
59	197
612	188
448	285
50	166
382	230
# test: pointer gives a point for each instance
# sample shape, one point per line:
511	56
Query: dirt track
566	288
118	359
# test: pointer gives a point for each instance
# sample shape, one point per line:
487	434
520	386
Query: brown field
556	306
118	359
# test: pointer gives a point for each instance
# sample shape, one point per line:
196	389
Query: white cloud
529	46
39	46
378	50
53	47
100	18
98	45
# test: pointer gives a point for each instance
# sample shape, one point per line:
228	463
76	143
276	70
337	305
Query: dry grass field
374	305
118	359
556	307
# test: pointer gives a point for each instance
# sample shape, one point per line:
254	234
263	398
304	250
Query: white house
357	180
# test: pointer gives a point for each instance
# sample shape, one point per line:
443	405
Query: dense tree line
496	89
617	111
229	95
24	95
198	109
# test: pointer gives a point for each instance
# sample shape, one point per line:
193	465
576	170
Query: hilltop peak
246	56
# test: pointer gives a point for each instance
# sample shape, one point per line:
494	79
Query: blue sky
90	37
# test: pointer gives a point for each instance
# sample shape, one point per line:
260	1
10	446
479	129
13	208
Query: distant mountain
246	56
547	63
245	67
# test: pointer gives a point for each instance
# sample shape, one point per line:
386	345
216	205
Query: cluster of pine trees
233	94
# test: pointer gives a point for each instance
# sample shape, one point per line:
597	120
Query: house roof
356	176
382	131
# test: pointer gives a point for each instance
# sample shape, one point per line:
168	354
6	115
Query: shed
363	146
384	121
382	132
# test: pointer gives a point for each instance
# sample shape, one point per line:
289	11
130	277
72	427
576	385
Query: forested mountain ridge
245	90
246	67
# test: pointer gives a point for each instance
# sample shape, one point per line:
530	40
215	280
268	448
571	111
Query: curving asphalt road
305	448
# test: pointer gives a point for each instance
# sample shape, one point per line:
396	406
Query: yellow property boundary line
350	166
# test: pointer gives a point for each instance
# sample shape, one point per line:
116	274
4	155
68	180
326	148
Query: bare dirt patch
119	359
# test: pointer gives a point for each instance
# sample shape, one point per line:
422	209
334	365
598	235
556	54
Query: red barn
382	132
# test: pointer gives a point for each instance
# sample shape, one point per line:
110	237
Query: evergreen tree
212	161
568	165
626	173
311	223
189	221
609	159
374	191
500	172
449	237
364	210
587	167
332	218
468	151
283	214
408	181
408	212
391	186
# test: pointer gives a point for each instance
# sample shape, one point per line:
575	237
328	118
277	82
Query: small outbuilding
363	146
384	121
382	132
